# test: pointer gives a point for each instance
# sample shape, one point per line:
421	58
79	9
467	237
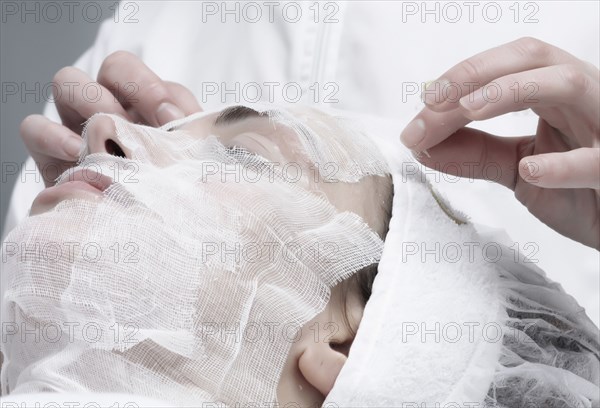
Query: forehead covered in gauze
188	261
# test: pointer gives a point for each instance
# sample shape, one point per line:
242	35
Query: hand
554	173
125	86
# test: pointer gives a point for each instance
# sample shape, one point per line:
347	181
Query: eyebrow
236	114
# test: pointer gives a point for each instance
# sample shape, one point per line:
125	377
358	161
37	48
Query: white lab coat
372	59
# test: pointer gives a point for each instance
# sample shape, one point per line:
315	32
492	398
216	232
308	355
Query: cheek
355	312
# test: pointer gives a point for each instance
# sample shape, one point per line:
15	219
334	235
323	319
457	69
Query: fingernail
531	171
419	154
73	147
475	100
414	133
168	112
435	92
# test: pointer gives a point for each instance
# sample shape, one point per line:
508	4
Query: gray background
32	52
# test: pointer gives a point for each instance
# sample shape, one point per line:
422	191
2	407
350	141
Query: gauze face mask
144	287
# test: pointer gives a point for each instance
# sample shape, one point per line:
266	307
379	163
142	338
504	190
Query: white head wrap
456	321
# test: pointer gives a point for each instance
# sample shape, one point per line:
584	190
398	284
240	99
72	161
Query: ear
320	365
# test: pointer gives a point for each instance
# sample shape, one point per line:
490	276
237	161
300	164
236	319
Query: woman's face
245	128
317	355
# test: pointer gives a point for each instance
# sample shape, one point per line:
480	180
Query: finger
577	88
429	128
579	168
139	88
471	74
184	98
78	98
42	136
538	88
474	154
53	147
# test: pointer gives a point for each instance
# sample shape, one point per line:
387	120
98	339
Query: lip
82	184
93	178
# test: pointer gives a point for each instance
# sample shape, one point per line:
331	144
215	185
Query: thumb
579	168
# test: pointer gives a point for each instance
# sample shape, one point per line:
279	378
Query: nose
101	138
